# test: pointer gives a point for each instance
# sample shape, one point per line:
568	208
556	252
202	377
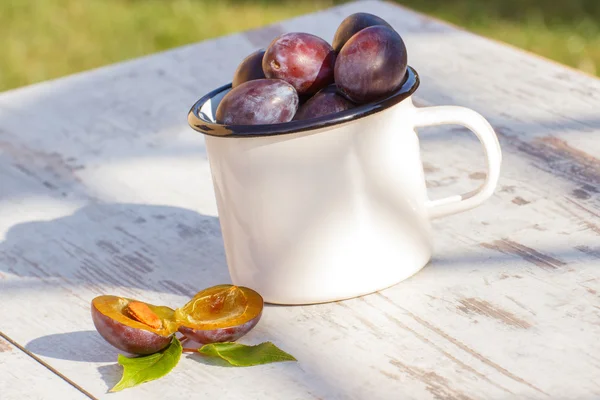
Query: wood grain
24	378
104	189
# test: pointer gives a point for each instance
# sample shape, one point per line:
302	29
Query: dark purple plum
353	24
326	101
371	65
249	69
261	101
305	61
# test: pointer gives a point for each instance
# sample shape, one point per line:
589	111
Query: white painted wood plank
104	189
23	378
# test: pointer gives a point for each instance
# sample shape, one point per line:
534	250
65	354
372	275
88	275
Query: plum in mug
332	207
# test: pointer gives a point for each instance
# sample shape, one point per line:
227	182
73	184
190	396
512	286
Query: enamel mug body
329	210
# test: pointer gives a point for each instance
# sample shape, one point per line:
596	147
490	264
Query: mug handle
443	115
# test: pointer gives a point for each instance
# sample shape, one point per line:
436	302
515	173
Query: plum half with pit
305	61
326	101
260	101
249	69
353	24
371	65
133	326
222	313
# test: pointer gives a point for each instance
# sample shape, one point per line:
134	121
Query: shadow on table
117	247
84	346
110	374
108	248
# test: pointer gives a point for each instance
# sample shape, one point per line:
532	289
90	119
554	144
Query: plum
249	69
371	65
305	61
260	101
326	101
133	326
222	313
353	24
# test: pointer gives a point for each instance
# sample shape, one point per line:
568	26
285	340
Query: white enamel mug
332	208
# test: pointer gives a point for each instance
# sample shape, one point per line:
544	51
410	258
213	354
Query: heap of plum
300	76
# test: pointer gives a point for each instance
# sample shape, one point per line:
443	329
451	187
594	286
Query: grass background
43	39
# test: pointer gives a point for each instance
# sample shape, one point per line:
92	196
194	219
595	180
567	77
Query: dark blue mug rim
202	125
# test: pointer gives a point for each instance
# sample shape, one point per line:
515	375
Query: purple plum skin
228	334
371	65
326	101
305	61
261	101
249	69
353	24
126	338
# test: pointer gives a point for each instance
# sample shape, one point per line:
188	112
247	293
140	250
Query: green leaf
138	370
241	355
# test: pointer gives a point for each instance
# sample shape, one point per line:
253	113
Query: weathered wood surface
104	189
23	377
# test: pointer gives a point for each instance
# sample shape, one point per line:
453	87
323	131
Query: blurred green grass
44	39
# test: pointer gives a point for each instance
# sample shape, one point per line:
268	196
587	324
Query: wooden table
105	189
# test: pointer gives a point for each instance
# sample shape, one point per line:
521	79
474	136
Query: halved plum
133	326
222	313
